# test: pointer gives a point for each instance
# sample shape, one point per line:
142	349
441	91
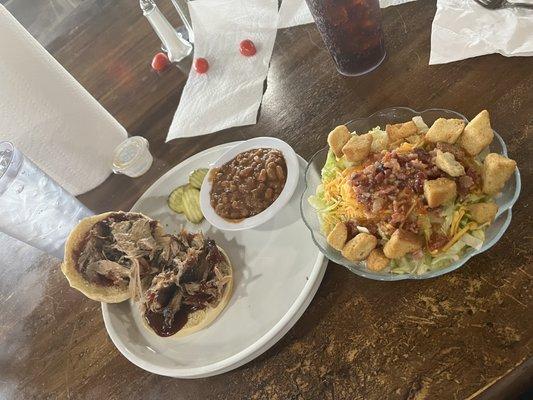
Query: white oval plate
277	272
293	173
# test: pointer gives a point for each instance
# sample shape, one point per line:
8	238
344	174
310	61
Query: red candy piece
201	65
247	48
160	62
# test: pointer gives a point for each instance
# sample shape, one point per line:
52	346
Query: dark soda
351	30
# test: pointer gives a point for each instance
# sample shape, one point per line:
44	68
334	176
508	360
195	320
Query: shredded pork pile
164	272
114	245
193	275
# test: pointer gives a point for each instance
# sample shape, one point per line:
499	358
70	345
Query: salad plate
458	254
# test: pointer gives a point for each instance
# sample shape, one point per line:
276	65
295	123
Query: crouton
497	169
401	131
400	243
337	138
446	162
358	148
337	237
445	130
477	134
358	248
439	191
376	260
482	212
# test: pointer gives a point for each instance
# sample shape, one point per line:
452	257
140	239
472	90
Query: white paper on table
49	116
296	12
230	93
463	29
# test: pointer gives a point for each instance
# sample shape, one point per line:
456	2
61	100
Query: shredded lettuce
475	239
409	265
317	200
447	214
379	140
420	124
474	198
425	223
330	167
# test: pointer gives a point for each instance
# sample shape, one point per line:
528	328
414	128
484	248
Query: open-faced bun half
200	319
73	246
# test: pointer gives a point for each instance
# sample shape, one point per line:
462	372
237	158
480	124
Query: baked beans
248	184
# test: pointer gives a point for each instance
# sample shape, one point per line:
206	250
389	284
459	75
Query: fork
495	4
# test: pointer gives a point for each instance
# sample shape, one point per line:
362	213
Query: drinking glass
33	207
351	30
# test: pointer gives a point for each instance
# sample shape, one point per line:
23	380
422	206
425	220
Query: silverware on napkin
495	4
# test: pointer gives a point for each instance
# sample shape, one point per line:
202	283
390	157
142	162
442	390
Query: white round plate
293	173
277	271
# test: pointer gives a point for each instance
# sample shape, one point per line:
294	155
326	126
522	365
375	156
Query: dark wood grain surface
468	334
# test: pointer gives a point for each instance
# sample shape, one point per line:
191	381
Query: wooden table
468	334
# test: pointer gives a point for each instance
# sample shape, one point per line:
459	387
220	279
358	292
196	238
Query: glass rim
10	173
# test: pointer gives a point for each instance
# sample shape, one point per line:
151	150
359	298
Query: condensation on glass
352	32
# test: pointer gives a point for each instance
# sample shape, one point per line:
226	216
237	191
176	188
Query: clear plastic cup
33	207
132	157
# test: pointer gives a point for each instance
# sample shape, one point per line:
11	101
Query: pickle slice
175	199
197	177
191	205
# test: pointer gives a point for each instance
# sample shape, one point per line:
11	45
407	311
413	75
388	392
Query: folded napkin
464	29
296	12
230	93
49	116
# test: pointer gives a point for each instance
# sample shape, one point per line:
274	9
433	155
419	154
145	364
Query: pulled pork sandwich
190	290
101	251
180	282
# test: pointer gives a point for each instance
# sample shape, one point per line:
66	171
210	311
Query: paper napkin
49	116
230	93
296	12
464	29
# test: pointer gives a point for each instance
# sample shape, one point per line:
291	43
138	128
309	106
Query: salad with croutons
410	198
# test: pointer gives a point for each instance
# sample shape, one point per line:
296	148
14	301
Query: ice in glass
33	207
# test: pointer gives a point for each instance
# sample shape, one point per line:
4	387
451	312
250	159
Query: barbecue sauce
156	321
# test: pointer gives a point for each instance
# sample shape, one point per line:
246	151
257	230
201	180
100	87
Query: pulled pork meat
115	245
166	274
193	274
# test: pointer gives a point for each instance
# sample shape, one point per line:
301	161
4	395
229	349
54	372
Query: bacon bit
437	241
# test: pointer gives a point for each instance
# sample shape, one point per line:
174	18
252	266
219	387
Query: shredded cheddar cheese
457	216
405	147
339	192
455	238
458	235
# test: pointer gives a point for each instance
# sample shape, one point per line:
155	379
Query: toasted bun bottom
94	291
200	319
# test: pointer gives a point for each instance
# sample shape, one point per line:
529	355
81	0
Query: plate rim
255	349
